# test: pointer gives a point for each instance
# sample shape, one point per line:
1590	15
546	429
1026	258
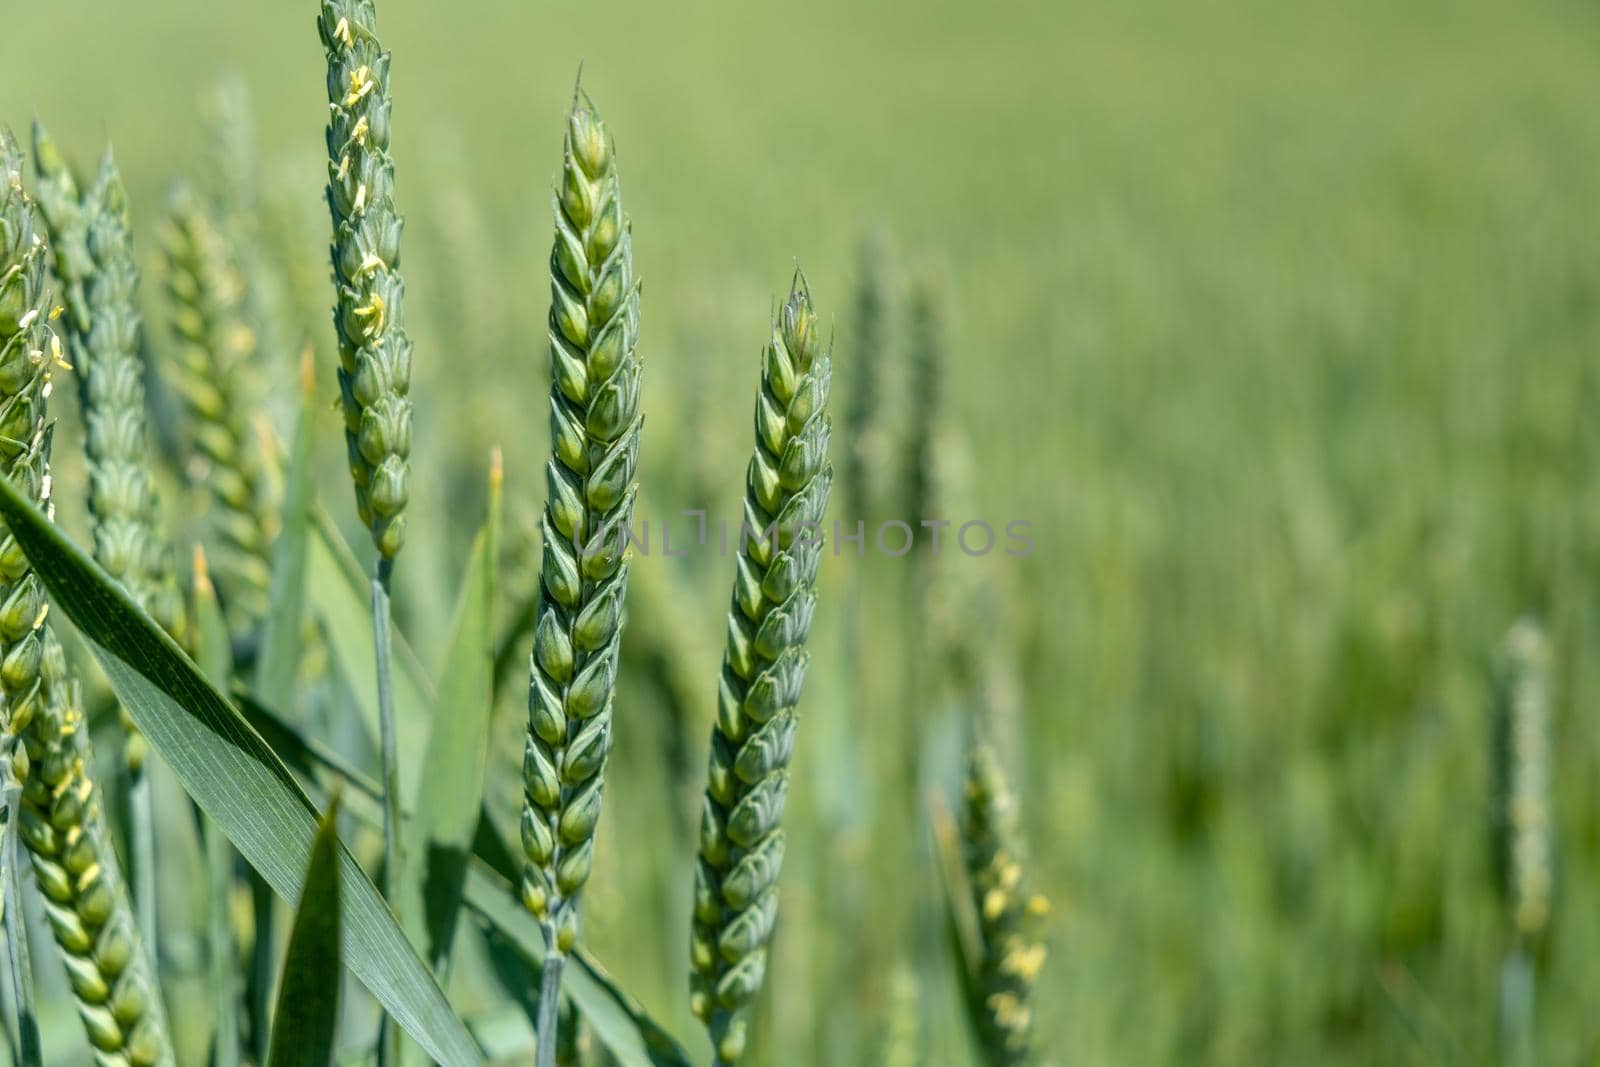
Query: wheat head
214	376
763	669
368	314
1525	849
591	487
1011	955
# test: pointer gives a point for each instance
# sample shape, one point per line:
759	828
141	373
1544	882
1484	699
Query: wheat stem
549	1006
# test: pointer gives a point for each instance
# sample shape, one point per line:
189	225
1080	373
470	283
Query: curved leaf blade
233	775
306	1021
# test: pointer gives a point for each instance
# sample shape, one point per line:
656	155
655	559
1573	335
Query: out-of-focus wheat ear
369	305
212	373
763	670
865	419
1011	955
1524	836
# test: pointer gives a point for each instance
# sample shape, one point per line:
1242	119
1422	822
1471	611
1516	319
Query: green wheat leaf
306	1021
231	773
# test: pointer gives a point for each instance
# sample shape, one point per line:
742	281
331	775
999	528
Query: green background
1277	321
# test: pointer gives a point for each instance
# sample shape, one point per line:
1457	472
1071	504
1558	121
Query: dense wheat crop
1261	338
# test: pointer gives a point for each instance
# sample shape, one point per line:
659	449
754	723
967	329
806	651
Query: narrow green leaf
231	773
281	633
439	837
215	656
307	1019
961	925
26	1028
617	1019
620	1023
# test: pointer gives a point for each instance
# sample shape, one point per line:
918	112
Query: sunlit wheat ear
85	899
29	351
591	486
369	310
213	373
61	823
1011	954
763	668
1523	818
102	330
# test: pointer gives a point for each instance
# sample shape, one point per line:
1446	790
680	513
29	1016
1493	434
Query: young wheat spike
374	351
763	668
214	376
103	340
85	899
60	820
1011	956
28	349
1522	725
591	486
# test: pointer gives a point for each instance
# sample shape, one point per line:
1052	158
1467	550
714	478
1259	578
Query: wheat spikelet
1523	819
374	351
1010	954
594	429
741	843
212	373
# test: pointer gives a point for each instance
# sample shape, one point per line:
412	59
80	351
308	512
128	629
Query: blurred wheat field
1278	323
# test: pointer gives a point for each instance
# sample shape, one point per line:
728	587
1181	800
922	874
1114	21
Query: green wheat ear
1525	848
85	899
28	348
763	668
374	351
60	821
1011	954
591	480
102	316
213	375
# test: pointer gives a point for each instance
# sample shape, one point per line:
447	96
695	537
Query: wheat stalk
374	351
741	844
213	375
1010	955
863	420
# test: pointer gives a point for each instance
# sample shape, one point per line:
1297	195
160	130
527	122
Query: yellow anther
361	84
994	904
373	313
361	198
344	167
341	33
38	621
55	312
29	319
359	134
370	264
